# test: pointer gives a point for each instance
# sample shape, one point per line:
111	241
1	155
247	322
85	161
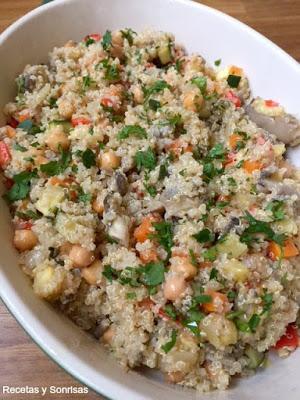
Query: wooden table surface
21	361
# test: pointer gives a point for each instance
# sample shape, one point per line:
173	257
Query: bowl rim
6	291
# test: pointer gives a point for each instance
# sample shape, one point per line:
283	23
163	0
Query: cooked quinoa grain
153	204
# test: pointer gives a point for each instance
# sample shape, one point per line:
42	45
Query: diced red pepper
94	36
106	102
13	123
5	156
271	103
289	339
233	98
22	224
146	303
8	183
80	121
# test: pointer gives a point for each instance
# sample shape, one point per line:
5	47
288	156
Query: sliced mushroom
119	230
121	183
286	128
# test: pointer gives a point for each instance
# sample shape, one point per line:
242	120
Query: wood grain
21	361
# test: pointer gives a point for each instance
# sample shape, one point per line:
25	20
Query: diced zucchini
67	126
164	54
232	246
287	226
255	358
235	270
51	197
48	281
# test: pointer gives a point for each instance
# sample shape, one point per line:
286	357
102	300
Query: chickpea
108	335
98	205
174	377
39	160
80	256
117	44
66	109
193	101
65	248
10	132
181	265
109	160
174	287
57	139
138	95
220	332
93	273
24	239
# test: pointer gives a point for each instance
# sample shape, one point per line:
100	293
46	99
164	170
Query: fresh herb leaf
204	236
210	254
129	276
150	189
128	34
217	152
178	65
29	127
163	234
107	40
277	209
170	311
28	215
218	62
154	104
89	41
87	82
241	325
234	314
21	187
262	227
201	83
193	258
20	81
145	159
84	197
131	295
169	345
157	87
110	273
202	299
18	147
267	299
231	295
163	171
213	274
132	130
233	80
254	322
88	158
57	167
153	274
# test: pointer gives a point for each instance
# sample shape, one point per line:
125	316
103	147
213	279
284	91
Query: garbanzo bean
175	286
109	160
108	335
57	139
80	256
25	239
93	273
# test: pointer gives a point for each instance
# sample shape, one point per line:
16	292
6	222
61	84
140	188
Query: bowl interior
201	30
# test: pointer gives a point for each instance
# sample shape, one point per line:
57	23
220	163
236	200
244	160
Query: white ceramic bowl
273	74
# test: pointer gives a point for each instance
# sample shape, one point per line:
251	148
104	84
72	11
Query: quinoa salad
153	204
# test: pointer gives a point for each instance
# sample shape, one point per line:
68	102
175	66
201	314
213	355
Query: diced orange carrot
61	182
178	147
23	116
271	103
234	70
80	121
250	166
10	131
289	250
141	233
146	303
219	302
205	264
148	255
233	140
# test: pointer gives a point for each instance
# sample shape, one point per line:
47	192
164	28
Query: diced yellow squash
287	226
235	270
50	199
260	106
279	149
164	54
219	331
48	281
232	246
